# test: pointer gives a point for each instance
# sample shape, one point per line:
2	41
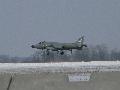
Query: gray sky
24	22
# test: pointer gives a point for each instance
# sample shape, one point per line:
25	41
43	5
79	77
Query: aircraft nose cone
33	46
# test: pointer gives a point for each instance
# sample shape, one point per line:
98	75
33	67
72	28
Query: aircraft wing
58	45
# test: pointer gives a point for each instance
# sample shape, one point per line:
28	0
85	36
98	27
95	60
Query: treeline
92	53
8	59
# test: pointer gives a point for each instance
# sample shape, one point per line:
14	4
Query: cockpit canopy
42	42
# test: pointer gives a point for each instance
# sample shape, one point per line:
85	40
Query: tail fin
80	40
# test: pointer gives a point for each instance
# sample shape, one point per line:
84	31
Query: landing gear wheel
62	53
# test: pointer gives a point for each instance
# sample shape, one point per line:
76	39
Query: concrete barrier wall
58	81
106	80
4	81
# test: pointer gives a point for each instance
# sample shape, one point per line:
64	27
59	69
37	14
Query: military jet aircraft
60	47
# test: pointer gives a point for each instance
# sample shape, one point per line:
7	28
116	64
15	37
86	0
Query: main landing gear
61	52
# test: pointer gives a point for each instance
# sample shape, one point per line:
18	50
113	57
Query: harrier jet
60	47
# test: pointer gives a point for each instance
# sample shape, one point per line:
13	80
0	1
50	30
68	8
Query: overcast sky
26	22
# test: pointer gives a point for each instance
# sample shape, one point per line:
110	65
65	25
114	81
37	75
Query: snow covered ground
66	67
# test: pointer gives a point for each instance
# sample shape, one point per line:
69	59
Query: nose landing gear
47	52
